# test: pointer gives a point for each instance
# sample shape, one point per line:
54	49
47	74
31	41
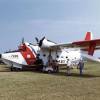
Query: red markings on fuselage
28	54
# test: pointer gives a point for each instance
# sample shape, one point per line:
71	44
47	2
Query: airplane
41	54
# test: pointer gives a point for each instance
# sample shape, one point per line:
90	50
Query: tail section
88	44
92	45
88	36
91	49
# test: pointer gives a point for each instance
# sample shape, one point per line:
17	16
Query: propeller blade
90	57
37	40
40	43
43	38
22	40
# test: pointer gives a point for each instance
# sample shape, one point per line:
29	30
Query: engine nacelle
47	43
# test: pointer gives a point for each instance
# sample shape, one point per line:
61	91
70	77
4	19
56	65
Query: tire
56	69
12	69
49	71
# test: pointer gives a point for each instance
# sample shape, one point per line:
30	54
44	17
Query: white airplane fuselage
62	56
45	50
19	59
26	55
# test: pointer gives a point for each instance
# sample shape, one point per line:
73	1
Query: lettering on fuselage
14	56
61	61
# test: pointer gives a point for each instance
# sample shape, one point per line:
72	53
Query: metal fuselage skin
27	53
61	56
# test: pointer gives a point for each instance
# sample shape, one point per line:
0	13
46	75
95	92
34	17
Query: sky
61	21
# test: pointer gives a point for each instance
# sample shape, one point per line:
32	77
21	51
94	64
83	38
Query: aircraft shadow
56	74
76	75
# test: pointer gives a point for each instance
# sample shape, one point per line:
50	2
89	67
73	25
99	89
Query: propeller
23	41
39	42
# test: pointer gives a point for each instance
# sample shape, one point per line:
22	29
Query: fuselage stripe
28	55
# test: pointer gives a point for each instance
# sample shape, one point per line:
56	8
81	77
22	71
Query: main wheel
12	69
49	71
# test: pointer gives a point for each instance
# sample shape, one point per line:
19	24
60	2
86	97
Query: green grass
40	86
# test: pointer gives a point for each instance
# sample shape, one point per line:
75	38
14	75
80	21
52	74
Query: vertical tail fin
88	36
92	45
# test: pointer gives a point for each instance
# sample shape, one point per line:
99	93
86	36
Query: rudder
88	36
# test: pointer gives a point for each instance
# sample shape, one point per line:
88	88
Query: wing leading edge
89	45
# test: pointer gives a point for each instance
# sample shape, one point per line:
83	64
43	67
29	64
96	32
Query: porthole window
44	55
38	55
57	56
66	57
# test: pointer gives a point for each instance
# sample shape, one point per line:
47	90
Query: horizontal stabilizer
90	57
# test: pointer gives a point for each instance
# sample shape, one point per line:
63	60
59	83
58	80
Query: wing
89	45
79	44
90	57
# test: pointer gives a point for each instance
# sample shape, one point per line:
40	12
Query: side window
66	57
38	55
44	55
57	56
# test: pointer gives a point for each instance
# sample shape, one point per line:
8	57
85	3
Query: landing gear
11	68
49	71
14	68
56	69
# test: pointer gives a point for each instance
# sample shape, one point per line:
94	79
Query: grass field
40	86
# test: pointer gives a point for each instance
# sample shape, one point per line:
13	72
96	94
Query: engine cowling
46	43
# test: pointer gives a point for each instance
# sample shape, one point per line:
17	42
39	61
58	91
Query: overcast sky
61	21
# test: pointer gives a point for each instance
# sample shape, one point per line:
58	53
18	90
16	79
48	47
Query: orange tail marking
88	36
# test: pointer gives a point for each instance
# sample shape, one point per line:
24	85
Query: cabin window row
44	55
